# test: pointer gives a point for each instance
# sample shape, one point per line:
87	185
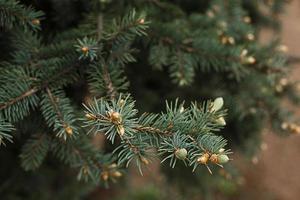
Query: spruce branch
82	154
58	113
79	154
207	50
35	89
40	79
34	151
107	72
171	130
127	28
188	48
12	13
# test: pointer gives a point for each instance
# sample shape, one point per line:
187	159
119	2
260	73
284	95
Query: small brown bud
104	176
115	117
69	130
247	19
142	21
282	48
283	82
294	128
116	174
251	60
284	126
144	160
85	170
36	22
231	40
84	49
224	40
250	37
214	158
244	53
114	165
297	130
203	159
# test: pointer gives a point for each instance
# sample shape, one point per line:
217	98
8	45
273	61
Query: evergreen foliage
13	13
60	88
5	129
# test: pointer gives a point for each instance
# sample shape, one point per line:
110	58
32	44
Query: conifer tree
76	70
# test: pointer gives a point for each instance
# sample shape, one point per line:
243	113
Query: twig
55	106
109	85
100	26
19	98
106	75
139	127
33	90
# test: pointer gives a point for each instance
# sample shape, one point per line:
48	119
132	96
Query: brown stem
189	49
109	85
19	98
100	26
139	127
33	90
56	107
106	75
152	130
